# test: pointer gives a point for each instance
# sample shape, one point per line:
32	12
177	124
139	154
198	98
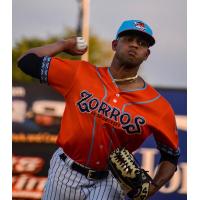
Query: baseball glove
133	180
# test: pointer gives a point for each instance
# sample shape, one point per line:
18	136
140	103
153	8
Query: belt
89	173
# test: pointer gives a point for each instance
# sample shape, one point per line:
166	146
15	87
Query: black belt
89	173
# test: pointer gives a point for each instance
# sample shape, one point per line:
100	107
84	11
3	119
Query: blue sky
167	64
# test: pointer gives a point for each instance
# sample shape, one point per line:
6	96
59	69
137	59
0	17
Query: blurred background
37	110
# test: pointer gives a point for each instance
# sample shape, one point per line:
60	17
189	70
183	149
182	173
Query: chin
131	63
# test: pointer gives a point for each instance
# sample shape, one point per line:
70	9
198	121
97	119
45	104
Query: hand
70	47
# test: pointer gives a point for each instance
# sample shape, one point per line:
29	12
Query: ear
114	45
148	53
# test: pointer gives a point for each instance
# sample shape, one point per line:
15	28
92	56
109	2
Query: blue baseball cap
137	26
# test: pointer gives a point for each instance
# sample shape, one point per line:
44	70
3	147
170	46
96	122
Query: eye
129	39
142	43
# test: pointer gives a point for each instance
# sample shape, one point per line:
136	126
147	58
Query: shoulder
161	100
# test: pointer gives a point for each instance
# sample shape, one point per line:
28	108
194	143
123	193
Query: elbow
24	60
20	58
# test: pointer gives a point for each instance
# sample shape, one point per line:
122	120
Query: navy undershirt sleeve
31	65
167	157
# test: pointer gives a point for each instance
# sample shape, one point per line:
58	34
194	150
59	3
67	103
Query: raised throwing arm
70	46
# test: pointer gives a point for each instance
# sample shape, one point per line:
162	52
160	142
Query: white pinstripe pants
66	184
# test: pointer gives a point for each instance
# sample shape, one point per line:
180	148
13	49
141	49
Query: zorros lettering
90	104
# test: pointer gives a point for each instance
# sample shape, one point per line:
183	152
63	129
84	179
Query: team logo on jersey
112	115
140	26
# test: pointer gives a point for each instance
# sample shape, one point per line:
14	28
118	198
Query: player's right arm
67	46
39	63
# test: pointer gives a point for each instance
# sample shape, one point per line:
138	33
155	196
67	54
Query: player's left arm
166	137
165	171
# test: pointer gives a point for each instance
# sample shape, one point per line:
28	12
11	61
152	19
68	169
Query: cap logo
140	26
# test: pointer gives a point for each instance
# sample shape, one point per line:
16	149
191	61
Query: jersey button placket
117	95
97	163
115	99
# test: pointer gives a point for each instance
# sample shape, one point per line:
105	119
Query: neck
120	71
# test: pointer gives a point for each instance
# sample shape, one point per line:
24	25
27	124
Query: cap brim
148	37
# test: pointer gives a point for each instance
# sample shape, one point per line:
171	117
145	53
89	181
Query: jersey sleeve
58	73
166	134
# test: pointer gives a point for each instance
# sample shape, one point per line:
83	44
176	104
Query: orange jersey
99	117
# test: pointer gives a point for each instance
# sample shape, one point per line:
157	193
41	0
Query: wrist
63	45
69	44
153	188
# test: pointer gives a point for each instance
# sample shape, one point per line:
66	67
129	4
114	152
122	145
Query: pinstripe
52	177
84	194
104	189
94	191
89	192
54	166
67	169
70	189
66	188
110	188
98	192
78	183
52	162
55	180
115	191
81	190
66	184
58	181
92	184
71	186
71	173
44	195
55	155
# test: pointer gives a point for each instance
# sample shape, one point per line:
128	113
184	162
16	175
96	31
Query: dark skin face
131	49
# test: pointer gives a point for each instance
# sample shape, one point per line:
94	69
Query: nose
133	42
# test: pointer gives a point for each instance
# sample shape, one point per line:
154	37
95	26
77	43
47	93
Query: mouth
132	53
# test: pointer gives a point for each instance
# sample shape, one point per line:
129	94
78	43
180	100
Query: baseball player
106	108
